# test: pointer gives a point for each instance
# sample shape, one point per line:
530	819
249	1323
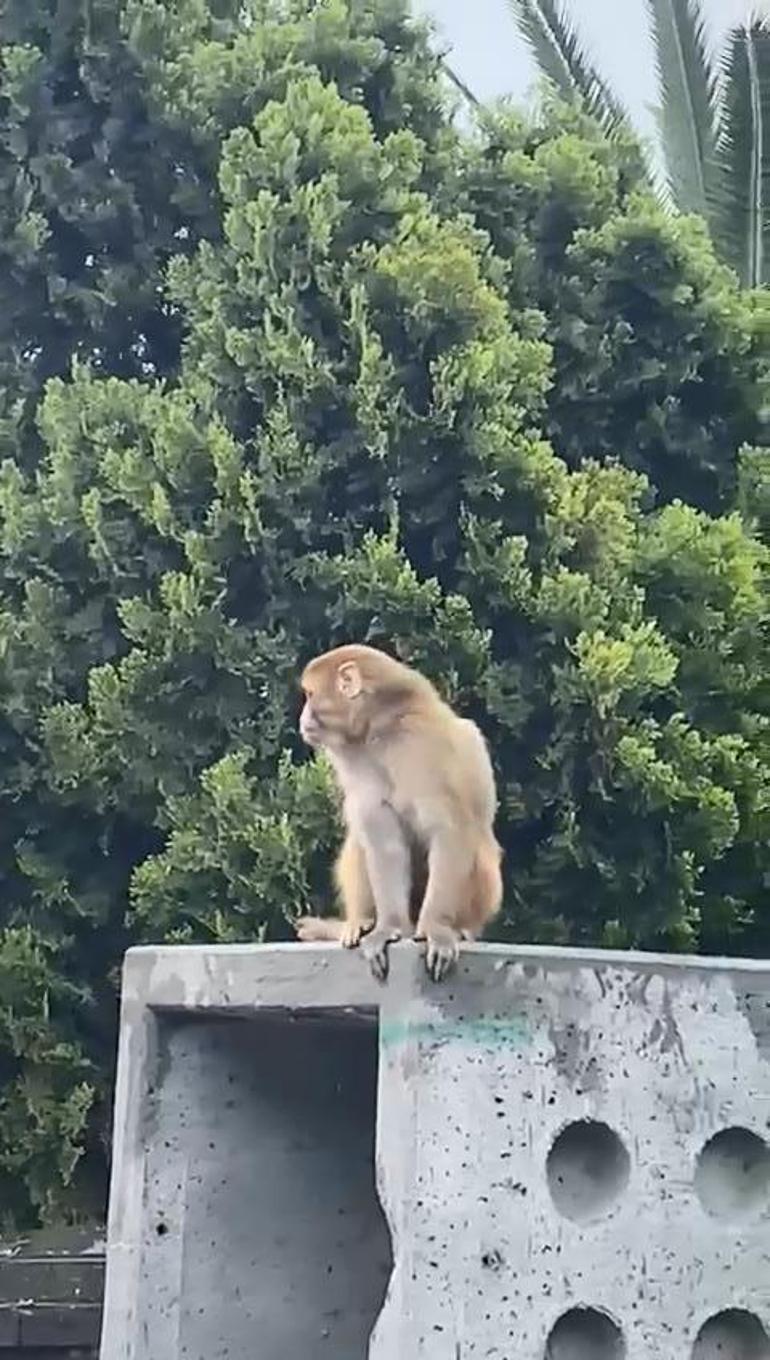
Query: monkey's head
351	692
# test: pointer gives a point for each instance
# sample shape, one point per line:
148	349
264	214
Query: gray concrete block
571	1154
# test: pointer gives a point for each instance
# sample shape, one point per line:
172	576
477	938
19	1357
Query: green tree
111	119
657	359
352	444
713	117
95	196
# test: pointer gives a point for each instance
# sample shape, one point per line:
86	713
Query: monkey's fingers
441	955
374	948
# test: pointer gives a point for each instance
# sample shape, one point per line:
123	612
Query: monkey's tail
312	929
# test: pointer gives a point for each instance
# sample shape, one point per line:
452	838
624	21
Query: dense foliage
287	360
712	113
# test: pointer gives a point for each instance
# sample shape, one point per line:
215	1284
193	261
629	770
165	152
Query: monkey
419	857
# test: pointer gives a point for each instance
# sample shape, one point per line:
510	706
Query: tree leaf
741	196
556	47
689	101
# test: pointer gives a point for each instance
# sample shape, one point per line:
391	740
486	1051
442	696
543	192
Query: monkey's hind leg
357	903
486	889
355	892
464	892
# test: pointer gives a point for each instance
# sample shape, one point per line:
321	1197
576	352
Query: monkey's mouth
311	733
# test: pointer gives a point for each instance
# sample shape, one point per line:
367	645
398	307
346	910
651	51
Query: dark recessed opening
732	1335
585	1334
588	1169
732	1173
264	1226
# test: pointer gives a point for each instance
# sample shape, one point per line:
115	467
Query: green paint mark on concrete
512	1031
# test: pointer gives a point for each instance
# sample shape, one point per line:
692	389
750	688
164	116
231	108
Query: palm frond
558	52
742	196
689	101
459	84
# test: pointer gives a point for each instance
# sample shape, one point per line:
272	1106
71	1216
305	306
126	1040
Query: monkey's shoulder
424	748
467	736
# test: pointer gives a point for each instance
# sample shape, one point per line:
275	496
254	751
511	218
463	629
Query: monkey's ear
349	682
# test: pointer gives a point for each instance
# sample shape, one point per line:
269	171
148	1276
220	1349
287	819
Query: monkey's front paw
441	954
374	948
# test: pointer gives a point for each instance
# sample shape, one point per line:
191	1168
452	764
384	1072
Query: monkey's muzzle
310	729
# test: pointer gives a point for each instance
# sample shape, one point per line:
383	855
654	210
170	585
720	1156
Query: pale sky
491	57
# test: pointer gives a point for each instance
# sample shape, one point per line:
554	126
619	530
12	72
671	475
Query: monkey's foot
374	948
353	932
316	929
441	951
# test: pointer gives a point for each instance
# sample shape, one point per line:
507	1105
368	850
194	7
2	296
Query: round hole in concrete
587	1169
585	1334
732	1335
732	1173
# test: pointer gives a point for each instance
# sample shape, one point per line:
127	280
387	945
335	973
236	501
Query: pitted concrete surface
571	1158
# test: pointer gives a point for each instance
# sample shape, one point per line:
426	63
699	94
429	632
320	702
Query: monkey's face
311	725
333	714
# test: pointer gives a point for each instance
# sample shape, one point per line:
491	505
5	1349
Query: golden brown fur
420	855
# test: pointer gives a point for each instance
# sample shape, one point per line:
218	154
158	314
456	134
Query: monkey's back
439	757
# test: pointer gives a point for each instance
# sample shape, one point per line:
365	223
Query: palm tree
714	115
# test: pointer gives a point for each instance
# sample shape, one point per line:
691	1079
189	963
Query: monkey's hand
374	948
441	951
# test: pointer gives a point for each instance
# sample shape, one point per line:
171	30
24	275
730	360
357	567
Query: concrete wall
571	1158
